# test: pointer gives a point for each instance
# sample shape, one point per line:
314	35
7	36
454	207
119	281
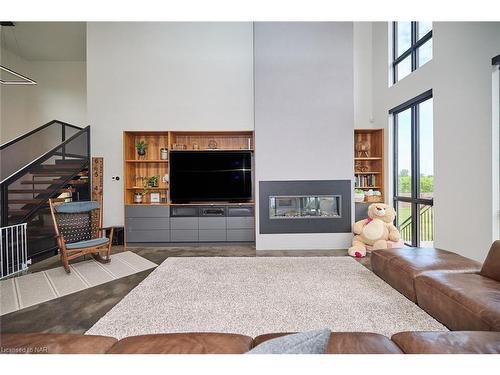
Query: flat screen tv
204	176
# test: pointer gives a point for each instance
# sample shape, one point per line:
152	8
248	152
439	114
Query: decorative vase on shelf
137	197
163	153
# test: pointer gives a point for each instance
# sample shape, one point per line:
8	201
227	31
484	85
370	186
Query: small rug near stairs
19	292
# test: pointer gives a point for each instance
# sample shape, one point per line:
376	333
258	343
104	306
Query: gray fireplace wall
340	224
304	114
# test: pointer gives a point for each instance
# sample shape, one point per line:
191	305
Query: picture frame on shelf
154	197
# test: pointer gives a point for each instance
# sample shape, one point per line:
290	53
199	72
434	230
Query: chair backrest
76	221
491	266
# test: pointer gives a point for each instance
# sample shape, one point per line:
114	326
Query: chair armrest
112	231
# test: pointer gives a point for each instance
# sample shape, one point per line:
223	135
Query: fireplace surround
305	206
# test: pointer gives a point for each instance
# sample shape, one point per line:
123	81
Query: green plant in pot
141	147
152	181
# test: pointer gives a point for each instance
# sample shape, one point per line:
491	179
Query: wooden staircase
61	174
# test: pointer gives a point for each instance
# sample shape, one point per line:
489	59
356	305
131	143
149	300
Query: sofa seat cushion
463	342
399	267
460	301
184	343
54	343
349	343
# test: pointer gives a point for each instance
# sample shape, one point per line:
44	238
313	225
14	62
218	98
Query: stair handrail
38	161
43	157
23	136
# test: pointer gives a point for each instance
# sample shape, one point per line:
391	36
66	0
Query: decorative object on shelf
212	144
179	146
154	197
165	178
363	149
360	167
375	232
195	146
141	147
152	181
137	197
359	196
164	153
373	196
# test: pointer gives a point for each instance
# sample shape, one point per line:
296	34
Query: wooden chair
79	231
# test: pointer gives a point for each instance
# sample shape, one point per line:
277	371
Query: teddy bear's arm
394	233
358	226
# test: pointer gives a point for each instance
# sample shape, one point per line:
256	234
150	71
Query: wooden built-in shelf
369	155
369	158
137	168
146	161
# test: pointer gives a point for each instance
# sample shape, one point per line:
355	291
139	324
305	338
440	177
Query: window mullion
413	47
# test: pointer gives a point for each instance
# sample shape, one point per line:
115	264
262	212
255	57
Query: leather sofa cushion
54	343
460	301
464	342
399	267
184	343
349	343
491	266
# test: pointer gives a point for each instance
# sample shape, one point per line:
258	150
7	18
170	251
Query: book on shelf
365	180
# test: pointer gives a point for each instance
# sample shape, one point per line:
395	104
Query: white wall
164	76
303	113
60	94
363	74
460	76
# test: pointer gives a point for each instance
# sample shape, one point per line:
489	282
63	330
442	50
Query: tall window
414	170
412	47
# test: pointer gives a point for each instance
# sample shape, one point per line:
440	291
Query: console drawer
147	211
240	235
147	223
212	223
184	223
240	211
240	222
148	235
184	235
212	235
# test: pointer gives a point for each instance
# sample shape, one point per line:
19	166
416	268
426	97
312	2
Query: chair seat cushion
184	343
88	243
462	302
400	267
463	342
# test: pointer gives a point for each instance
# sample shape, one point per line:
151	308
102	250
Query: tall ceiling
46	41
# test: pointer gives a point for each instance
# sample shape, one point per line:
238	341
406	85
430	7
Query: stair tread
38	191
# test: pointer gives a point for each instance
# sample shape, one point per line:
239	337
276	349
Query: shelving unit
137	168
369	159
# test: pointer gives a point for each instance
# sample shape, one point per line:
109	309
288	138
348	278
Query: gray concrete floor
77	312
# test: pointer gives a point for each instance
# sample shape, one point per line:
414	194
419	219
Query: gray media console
178	223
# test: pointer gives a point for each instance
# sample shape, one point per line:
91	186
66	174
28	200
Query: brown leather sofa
225	343
455	290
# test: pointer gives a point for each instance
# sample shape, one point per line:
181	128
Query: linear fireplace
304	206
311	206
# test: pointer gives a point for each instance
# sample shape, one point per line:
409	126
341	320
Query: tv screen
210	176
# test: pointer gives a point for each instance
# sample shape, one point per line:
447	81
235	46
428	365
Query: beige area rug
31	289
253	296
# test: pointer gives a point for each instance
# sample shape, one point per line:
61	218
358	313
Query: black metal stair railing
63	168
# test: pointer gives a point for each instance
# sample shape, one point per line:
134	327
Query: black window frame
415	199
416	43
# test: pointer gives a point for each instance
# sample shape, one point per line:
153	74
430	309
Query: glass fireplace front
304	207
